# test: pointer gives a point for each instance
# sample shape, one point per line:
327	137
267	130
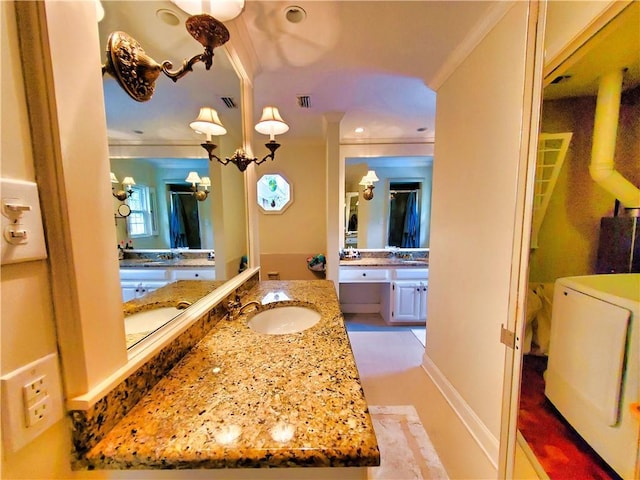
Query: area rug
406	451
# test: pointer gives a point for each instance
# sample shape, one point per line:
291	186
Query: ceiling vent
304	101
229	102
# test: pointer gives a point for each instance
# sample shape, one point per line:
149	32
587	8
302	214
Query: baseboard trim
486	441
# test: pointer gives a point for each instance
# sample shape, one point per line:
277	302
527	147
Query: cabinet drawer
411	273
193	274
143	274
364	275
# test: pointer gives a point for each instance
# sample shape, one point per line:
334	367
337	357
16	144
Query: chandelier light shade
270	124
208	123
223	10
367	182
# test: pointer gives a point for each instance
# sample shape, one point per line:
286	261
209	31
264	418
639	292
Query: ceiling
377	62
371	60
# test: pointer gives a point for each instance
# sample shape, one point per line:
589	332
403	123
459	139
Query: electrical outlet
34	390
38	412
31	402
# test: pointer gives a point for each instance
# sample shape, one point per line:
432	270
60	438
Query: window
274	193
142	222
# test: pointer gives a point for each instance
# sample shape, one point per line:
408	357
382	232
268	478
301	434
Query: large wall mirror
401	202
567	242
152	143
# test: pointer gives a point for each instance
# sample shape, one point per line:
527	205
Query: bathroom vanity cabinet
137	282
398	291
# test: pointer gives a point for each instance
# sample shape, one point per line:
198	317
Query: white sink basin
149	320
283	320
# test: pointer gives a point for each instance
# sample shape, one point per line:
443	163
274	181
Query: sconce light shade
208	122
369	178
271	123
122	194
193	178
367	183
223	10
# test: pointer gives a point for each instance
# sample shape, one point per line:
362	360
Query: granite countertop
384	262
168	296
243	399
169	263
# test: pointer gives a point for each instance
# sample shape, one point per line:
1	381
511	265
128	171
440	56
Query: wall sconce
136	72
194	179
223	10
127	191
367	183
270	124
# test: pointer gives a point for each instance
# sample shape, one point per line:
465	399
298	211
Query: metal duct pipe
605	130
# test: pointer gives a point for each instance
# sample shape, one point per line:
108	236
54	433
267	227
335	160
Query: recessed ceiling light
295	14
168	17
359	130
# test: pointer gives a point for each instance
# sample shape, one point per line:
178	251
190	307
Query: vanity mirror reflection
404	181
173	247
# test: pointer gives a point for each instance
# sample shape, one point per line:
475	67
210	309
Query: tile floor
389	359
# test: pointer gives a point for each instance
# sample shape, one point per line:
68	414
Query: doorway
404	214
184	222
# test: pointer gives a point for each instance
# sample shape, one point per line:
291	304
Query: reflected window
141	222
274	193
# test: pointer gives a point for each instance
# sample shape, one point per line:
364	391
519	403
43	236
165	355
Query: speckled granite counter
168	296
242	399
383	262
170	263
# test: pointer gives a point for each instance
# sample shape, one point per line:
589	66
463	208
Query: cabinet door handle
364	274
197	274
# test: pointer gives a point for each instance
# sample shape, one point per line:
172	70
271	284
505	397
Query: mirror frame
67	129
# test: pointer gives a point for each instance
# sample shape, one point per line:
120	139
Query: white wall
472	227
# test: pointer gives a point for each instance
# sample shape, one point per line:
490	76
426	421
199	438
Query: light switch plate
19	412
22	231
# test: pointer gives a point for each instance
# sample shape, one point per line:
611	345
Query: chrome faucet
235	307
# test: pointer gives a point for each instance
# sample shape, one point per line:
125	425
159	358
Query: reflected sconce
270	124
126	192
367	183
194	179
136	72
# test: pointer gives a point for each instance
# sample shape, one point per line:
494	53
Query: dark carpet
563	454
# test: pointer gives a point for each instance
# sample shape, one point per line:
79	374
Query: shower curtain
178	230
411	231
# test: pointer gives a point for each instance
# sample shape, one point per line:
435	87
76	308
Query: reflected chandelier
270	124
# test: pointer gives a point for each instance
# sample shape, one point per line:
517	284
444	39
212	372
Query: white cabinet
192	274
364	275
409	301
398	294
137	289
137	282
